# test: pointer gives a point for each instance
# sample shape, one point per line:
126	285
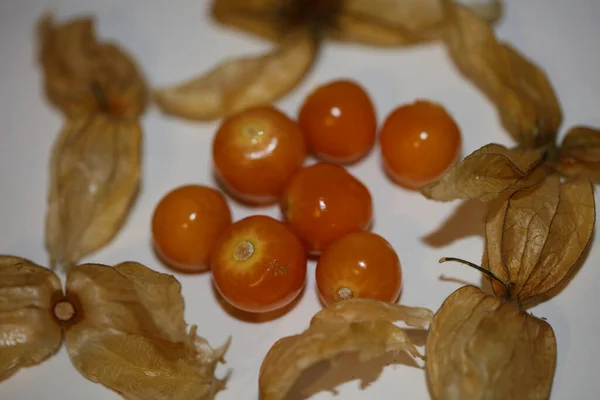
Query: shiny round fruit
359	265
258	264
339	122
324	202
256	152
186	224
419	142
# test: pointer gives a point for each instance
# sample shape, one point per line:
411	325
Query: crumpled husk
358	325
579	154
487	173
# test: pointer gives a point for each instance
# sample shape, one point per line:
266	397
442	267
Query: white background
172	43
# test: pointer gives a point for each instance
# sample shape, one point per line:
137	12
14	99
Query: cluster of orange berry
259	263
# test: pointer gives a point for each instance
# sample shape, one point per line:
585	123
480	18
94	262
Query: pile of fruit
259	156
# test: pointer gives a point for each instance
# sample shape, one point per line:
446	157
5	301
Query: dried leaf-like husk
374	22
487	173
357	325
399	23
526	101
83	75
483	347
258	17
241	83
94	178
129	335
29	333
579	154
536	236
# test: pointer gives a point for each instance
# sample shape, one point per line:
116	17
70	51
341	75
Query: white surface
174	42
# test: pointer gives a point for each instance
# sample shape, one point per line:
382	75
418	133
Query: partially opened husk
358	325
29	331
129	334
123	327
241	83
488	172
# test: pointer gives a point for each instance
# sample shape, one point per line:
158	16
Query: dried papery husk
359	325
94	179
241	83
400	23
484	347
267	19
83	75
129	335
488	172
29	332
528	106
536	236
374	22
579	153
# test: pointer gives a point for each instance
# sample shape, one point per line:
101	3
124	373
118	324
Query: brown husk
83	75
241	83
94	179
373	23
579	154
358	325
129	335
528	106
536	236
262	18
296	27
29	332
487	173
399	23
485	347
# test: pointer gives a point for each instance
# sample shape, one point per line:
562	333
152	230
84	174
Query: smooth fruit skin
419	142
186	224
324	202
256	152
339	122
359	265
259	265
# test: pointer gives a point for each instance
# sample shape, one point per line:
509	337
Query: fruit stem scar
243	251
344	293
64	310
